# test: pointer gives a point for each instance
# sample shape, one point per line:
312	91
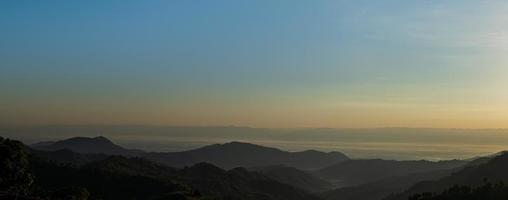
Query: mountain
24	175
239	183
493	170
118	177
142	167
356	172
295	177
227	156
85	145
238	154
380	189
68	157
106	176
490	191
104	184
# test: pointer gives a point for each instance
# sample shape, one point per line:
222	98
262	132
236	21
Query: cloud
458	24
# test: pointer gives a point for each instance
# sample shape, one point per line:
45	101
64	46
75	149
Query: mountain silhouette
227	156
67	157
239	183
85	145
356	172
295	177
239	154
493	170
380	189
107	178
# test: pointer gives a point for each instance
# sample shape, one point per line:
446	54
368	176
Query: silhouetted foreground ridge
118	177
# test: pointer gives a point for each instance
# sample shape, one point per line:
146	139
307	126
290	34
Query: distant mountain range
247	171
227	156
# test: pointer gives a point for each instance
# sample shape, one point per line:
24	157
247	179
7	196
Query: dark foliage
71	193
14	176
102	183
488	191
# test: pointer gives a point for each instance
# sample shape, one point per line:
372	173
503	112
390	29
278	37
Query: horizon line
250	127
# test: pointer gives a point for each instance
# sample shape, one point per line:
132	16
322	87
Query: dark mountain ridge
492	169
66	156
119	177
239	154
228	155
86	145
295	177
107	178
380	189
356	172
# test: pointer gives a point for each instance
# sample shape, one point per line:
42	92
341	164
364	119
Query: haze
385	143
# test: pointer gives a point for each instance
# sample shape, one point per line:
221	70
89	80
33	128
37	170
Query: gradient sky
263	63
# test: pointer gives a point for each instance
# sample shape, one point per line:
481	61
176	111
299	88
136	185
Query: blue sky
255	63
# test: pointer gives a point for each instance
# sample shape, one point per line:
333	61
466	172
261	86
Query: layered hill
235	154
380	189
295	177
356	172
118	177
86	145
227	156
491	170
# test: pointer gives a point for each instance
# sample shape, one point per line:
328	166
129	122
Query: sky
264	63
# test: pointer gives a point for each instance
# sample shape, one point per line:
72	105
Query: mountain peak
234	154
102	138
238	143
238	147
81	139
87	145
